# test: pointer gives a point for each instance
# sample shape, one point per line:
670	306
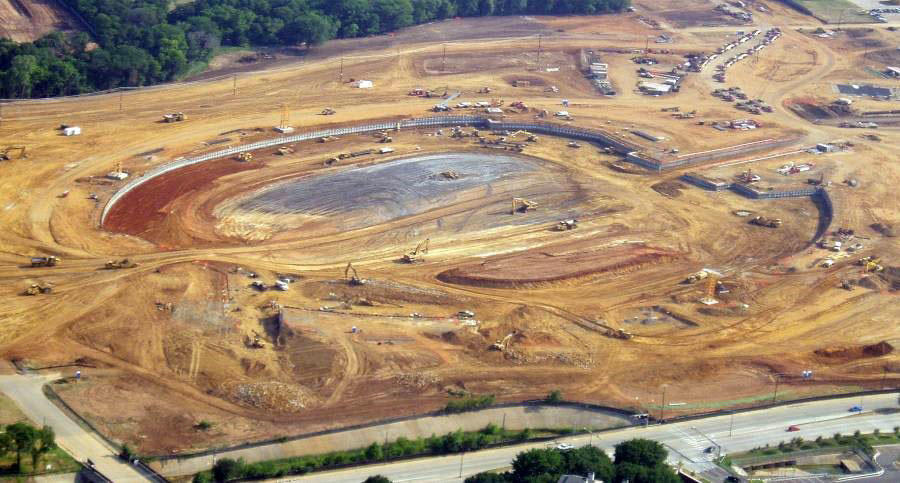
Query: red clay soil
142	212
541	266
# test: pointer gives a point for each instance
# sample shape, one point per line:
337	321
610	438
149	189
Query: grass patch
834	11
58	461
9	411
836	443
198	67
450	443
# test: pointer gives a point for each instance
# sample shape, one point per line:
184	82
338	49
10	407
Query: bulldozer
5	154
521	205
502	345
415	256
284	150
245	156
48	261
565	225
328	111
352	276
36	289
766	222
174	117
123	263
450	174
386	139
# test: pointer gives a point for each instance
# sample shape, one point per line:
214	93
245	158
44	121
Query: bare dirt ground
185	336
27	20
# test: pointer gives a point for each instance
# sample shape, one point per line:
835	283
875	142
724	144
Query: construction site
292	250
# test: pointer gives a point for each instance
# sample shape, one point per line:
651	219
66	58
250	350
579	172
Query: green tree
374	452
227	469
377	479
642	452
588	459
43	443
536	462
489	478
555	396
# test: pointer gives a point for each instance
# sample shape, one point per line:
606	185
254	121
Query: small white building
72	131
117	175
893	72
654	87
494	110
365	84
385	150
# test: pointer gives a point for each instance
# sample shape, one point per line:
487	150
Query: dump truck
48	261
123	263
245	156
697	276
566	225
766	222
174	117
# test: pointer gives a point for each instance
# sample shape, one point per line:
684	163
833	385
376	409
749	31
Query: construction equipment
245	156
748	177
325	139
619	334
354	278
174	117
5	154
503	344
284	150
450	174
497	102
846	285
123	263
328	111
766	222
519	105
35	289
386	139
415	256
710	295
566	225
63	194
573	144
522	205
256	342
48	261
696	277
485	90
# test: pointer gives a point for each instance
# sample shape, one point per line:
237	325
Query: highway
686	441
82	444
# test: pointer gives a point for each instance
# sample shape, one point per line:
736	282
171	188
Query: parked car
793	428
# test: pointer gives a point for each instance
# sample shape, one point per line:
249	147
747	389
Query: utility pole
341	75
540	37
444	59
775	395
731	426
503	425
461	457
884	369
234	85
120	101
662	409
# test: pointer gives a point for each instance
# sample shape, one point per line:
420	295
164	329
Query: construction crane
415	255
522	205
285	117
4	155
354	278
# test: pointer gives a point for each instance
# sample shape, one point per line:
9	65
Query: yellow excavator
415	256
521	205
502	345
352	276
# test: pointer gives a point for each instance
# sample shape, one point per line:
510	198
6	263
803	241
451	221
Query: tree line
145	42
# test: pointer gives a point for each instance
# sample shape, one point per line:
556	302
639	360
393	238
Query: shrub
555	396
203	425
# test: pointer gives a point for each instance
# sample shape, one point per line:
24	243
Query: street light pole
461	456
775	394
731	426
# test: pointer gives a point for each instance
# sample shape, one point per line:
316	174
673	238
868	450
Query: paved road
686	441
81	444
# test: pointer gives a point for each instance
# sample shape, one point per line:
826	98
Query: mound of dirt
542	266
531	79
847	353
669	188
884	229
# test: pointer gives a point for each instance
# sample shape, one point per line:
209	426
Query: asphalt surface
686	441
82	444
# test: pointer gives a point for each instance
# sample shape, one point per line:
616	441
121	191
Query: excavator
328	111
766	222
522	205
502	345
245	156
354	278
4	155
35	289
528	136
415	255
